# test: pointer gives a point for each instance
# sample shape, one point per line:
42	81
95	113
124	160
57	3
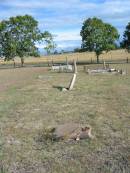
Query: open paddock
117	56
29	103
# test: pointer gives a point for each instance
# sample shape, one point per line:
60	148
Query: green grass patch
31	104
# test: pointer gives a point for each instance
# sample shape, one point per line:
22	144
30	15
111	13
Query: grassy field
29	103
118	55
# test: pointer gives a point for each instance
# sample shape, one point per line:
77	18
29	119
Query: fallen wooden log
72	82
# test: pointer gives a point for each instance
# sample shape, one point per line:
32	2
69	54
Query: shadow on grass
60	88
10	66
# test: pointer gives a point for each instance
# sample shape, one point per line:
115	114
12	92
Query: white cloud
65	39
115	9
67	11
67	45
40	46
65	36
64	18
49	4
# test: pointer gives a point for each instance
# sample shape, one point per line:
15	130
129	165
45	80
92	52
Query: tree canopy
98	36
18	36
126	38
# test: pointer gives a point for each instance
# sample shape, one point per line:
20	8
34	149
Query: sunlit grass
31	104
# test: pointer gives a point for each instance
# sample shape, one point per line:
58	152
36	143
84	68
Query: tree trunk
14	62
97	59
22	61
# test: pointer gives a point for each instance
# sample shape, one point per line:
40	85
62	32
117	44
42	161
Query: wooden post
127	60
67	64
60	68
104	64
66	61
72	82
75	67
84	68
77	59
14	62
48	62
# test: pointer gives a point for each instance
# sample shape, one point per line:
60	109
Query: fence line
51	62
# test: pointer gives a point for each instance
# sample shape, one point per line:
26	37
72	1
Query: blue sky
64	18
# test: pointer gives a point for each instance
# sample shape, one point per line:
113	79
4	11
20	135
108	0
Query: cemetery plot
29	105
102	69
62	68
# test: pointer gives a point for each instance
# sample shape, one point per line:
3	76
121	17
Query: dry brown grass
112	55
30	103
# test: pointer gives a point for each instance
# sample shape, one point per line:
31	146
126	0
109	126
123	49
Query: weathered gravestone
62	68
70	131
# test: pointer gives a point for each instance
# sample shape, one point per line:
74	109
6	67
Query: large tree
7	43
98	36
126	38
18	37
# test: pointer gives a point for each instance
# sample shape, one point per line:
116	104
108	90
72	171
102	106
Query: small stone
64	89
40	77
77	139
72	131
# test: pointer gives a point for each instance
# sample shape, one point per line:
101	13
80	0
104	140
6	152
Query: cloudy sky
64	18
